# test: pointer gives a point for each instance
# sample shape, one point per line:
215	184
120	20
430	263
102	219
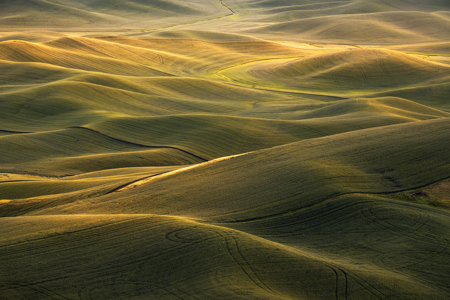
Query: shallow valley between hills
233	149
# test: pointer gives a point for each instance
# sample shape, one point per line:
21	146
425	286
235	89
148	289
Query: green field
232	149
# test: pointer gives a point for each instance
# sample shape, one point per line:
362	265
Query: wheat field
232	149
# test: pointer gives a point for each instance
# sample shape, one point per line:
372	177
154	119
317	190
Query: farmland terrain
238	149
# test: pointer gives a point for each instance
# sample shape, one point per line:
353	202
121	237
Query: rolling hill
233	149
350	70
104	14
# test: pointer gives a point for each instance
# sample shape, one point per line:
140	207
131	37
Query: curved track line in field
421	221
346	282
224	5
337	291
364	284
360	281
152	178
236	254
100	238
337	283
38	290
13	132
192	235
314	221
385	260
439	245
383	67
291	211
137	144
324	201
232	247
361	71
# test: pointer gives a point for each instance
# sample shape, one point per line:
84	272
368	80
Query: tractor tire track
439	245
236	254
337	291
383	67
37	290
139	227
361	71
363	283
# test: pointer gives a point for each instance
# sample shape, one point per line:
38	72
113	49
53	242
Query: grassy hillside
342	72
296	175
138	249
88	15
294	214
368	22
233	149
377	21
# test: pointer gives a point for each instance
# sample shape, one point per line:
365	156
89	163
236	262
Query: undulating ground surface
224	149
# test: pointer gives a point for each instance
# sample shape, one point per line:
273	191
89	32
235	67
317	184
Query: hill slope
351	70
295	215
206	149
104	14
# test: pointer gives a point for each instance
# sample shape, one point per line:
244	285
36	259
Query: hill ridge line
155	177
137	144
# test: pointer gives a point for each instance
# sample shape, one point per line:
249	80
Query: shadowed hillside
294	200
